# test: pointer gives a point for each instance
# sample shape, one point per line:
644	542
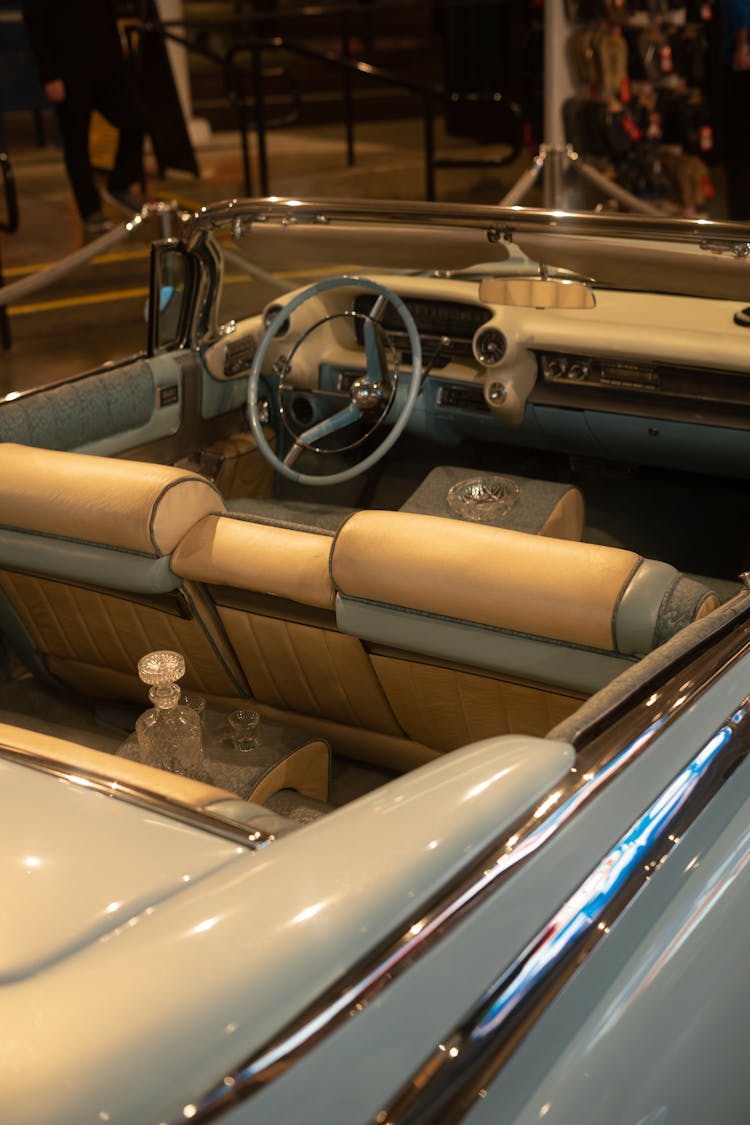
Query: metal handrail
315	11
344	64
234	80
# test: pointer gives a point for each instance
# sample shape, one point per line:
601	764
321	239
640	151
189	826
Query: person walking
76	44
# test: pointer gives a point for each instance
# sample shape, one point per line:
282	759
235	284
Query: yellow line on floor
124	294
74	302
186	204
102	259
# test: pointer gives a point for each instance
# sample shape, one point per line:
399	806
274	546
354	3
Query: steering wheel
372	393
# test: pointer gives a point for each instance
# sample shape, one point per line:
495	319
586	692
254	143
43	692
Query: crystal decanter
169	734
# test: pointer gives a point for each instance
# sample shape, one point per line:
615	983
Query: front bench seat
476	630
86	586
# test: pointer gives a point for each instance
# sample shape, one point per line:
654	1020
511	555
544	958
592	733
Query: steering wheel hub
369	395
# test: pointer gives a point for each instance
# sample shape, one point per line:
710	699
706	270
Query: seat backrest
86	586
549	620
272	591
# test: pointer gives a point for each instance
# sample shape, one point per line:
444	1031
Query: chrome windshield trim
459	1069
599	761
500	222
141	796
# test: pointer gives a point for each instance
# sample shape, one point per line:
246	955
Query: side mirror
168	303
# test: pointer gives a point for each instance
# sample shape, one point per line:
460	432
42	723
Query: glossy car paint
664	985
239	970
83	866
396	1033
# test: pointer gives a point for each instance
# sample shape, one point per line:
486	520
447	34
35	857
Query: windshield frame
681	257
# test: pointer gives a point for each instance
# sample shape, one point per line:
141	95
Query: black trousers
111	94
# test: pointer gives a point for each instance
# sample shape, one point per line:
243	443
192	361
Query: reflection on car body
456	496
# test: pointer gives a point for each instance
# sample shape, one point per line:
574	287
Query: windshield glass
276	259
277	252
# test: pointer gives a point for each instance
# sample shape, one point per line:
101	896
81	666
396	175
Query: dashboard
558	374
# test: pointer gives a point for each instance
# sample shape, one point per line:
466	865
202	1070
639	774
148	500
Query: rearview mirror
537	292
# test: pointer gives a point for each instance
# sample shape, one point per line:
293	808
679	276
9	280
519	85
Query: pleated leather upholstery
310	670
80	535
86	638
445	708
292	664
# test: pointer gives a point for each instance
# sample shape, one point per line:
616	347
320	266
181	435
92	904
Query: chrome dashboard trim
601	755
138	795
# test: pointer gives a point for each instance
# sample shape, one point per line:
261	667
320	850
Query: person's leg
116	100
74	118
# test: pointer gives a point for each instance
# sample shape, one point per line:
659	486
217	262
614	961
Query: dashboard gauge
490	346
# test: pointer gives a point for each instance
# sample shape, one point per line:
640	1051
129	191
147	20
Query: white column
198	128
558	84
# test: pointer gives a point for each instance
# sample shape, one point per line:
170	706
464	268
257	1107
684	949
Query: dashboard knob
497	393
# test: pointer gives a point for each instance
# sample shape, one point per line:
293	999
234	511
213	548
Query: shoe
96	223
124	198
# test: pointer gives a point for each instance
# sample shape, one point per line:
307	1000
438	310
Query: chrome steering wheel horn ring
366	394
352	411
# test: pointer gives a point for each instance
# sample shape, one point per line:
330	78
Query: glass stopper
163	667
160	670
483	498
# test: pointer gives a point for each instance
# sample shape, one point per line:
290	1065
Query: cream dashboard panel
322	330
647	327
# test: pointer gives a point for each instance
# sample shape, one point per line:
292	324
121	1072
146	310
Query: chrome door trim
459	1069
141	796
601	756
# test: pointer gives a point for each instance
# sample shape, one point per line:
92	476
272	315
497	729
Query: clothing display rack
623	87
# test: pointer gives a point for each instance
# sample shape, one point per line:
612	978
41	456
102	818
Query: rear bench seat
469	631
404	636
542	622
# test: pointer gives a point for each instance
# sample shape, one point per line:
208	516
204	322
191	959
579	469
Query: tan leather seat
272	591
427	634
475	630
86	586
